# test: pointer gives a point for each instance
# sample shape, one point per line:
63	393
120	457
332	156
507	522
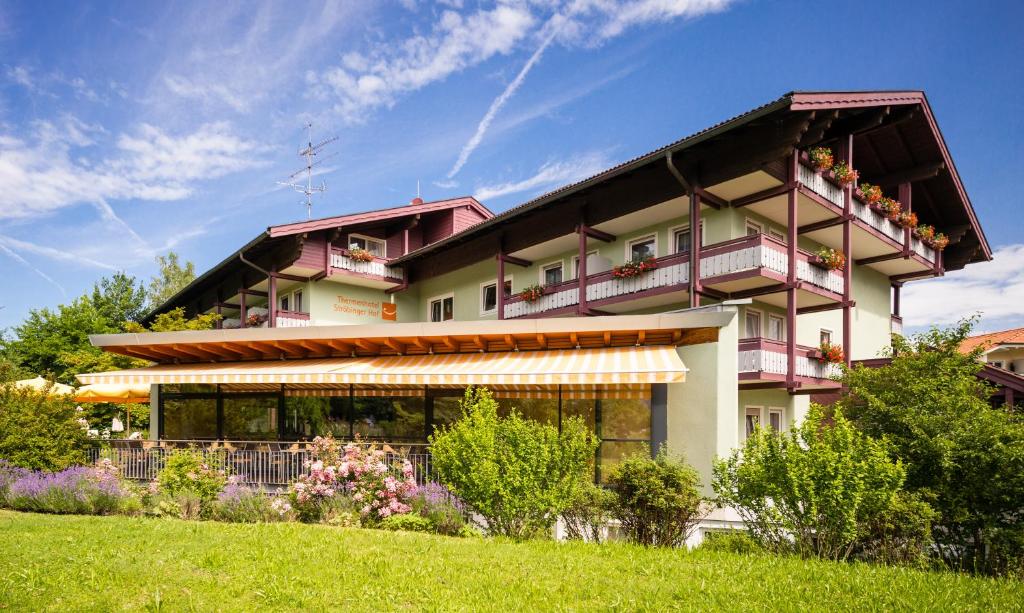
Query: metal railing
261	465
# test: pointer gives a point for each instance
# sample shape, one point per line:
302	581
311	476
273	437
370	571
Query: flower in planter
634	268
908	220
940	242
831	258
532	293
831	354
890	208
844	173
255	320
821	158
872	193
360	255
926	233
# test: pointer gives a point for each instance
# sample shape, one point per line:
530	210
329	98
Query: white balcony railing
375	268
769	357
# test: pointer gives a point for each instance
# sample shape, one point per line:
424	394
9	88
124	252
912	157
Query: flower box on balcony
360	255
634	268
532	293
829	259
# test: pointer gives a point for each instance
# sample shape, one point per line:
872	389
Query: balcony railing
768	356
763	251
291	319
375	268
269	464
822	184
895	324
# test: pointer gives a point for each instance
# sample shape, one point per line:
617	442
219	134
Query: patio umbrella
102	392
42	385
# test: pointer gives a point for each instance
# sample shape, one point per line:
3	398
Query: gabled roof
795	101
992	340
415	208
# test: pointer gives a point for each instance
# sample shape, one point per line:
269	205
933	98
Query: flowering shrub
831	353
378	488
821	158
9	473
187	470
255	320
872	193
634	268
79	489
844	173
360	255
908	220
242	504
444	513
532	293
831	258
940	242
926	233
890	208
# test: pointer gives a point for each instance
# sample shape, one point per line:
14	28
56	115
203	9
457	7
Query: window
754	228
375	246
776	234
250	418
576	264
551	274
297	300
825	336
776	328
753	324
642	248
442	308
189	418
285	303
997	364
489	295
752	420
775	420
682	240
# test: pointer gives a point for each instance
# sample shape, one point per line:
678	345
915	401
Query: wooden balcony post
695	284
272	297
500	289
791	238
906	201
581	275
241	304
847	154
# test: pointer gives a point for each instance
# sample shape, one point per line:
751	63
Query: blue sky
127	130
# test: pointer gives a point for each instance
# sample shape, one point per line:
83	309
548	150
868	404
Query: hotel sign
358	307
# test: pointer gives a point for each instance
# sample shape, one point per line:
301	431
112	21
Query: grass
73	563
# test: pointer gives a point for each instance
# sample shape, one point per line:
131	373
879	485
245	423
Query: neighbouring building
678	299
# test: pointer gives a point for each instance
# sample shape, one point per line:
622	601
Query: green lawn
101	563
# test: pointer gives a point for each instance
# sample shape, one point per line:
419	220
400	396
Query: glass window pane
250	418
753	420
683	240
354	242
613	452
553	275
585	409
642	249
190	418
753	325
397	419
298	302
447	410
543	410
775	421
490	297
626	418
448	309
284	303
307	416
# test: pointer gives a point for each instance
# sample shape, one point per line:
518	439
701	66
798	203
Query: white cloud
60	255
995	289
17	258
550	175
49	170
207	93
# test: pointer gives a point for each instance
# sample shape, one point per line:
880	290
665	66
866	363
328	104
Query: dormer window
375	246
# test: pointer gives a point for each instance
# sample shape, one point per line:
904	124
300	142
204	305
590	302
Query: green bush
657	500
410	522
585	519
814	490
188	471
730	541
898	535
519	475
38	431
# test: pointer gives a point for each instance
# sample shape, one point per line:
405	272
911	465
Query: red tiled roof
993	339
377	215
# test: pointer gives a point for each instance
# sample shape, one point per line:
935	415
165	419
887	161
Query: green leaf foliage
962	455
170	279
518	474
811	490
38	431
658	500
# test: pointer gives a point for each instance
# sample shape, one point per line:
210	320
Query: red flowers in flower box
360	255
821	158
940	242
634	268
532	293
871	193
831	354
908	220
829	258
890	208
926	233
844	173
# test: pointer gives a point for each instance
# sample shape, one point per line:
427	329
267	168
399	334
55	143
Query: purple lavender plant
9	473
78	489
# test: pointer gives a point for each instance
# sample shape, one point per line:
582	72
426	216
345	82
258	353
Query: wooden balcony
375	273
291	319
763	360
895	324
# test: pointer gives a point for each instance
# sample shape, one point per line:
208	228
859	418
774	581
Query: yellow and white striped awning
606	366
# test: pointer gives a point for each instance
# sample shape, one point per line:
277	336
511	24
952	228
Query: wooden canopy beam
511	259
595	233
911	175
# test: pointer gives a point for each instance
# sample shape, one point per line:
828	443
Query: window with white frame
576	263
776	327
777	235
751	420
442	308
642	248
551	274
284	302
775	419
681	239
825	336
489	296
754	228
297	301
752	329
291	301
375	246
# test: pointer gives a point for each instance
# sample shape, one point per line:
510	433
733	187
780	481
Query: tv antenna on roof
309	152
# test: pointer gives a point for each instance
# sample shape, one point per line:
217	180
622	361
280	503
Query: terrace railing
768	356
291	319
266	464
375	268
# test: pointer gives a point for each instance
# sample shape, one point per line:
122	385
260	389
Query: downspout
695	242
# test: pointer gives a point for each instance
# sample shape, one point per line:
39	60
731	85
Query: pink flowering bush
376	486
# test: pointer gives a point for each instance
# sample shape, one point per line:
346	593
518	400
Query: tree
814	489
518	474
963	456
175	320
170	279
39	431
119	298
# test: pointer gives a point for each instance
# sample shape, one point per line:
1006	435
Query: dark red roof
415	208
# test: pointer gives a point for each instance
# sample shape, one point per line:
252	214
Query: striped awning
605	366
